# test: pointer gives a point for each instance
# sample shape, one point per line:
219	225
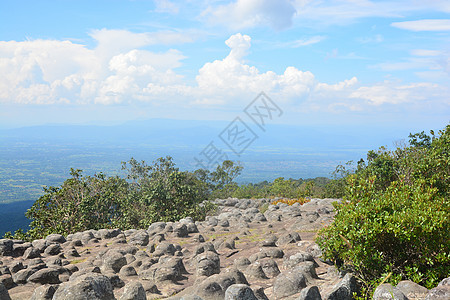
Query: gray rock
259	293
441	292
128	271
113	261
299	257
139	238
19	249
208	264
288	283
270	267
53	249
166	270
133	291
180	230
22	276
31	253
6	247
310	293
289	238
241	263
386	291
344	289
412	290
16	266
239	292
308	269
7	281
55	238
156	227
255	271
44	292
164	248
269	241
108	233
445	281
89	286
45	276
39	244
273	253
4	295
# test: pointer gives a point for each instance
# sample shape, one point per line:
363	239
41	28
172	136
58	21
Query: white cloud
424	25
48	72
425	52
241	14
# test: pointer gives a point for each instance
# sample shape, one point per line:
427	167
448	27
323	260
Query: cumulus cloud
240	14
48	72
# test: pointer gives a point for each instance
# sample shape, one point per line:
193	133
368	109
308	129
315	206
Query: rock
44	292
53	249
133	291
255	271
239	292
45	276
208	264
89	286
412	290
115	280
19	249
259	293
310	293
288	283
139	238
6	247
31	253
445	281
308	269
7	280
273	253
270	267
180	230
113	261
297	258
386	291
157	227
55	238
22	276
288	239
165	270
269	241
108	233
39	244
128	271
4	295
241	263
344	289
164	248
16	266
441	292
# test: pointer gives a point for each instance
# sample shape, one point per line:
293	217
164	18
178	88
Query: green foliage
159	192
395	216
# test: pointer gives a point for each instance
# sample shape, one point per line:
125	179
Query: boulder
440	292
45	276
113	261
44	292
386	291
310	293
6	247
90	286
55	238
412	290
239	292
133	291
344	289
139	238
4	295
288	283
208	264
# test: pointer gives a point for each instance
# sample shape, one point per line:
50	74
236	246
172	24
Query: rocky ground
240	253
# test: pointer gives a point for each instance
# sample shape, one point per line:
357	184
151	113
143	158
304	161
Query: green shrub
395	217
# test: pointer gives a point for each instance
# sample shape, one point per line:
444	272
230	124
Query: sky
352	62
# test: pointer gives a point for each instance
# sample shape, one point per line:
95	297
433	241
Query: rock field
239	254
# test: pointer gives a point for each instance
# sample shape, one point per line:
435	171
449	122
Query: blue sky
348	62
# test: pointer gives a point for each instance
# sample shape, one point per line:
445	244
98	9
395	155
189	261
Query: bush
395	216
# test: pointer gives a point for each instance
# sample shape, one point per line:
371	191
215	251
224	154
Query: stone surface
310	293
89	286
386	291
134	291
239	292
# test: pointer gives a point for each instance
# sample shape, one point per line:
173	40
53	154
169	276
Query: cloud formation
48	72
